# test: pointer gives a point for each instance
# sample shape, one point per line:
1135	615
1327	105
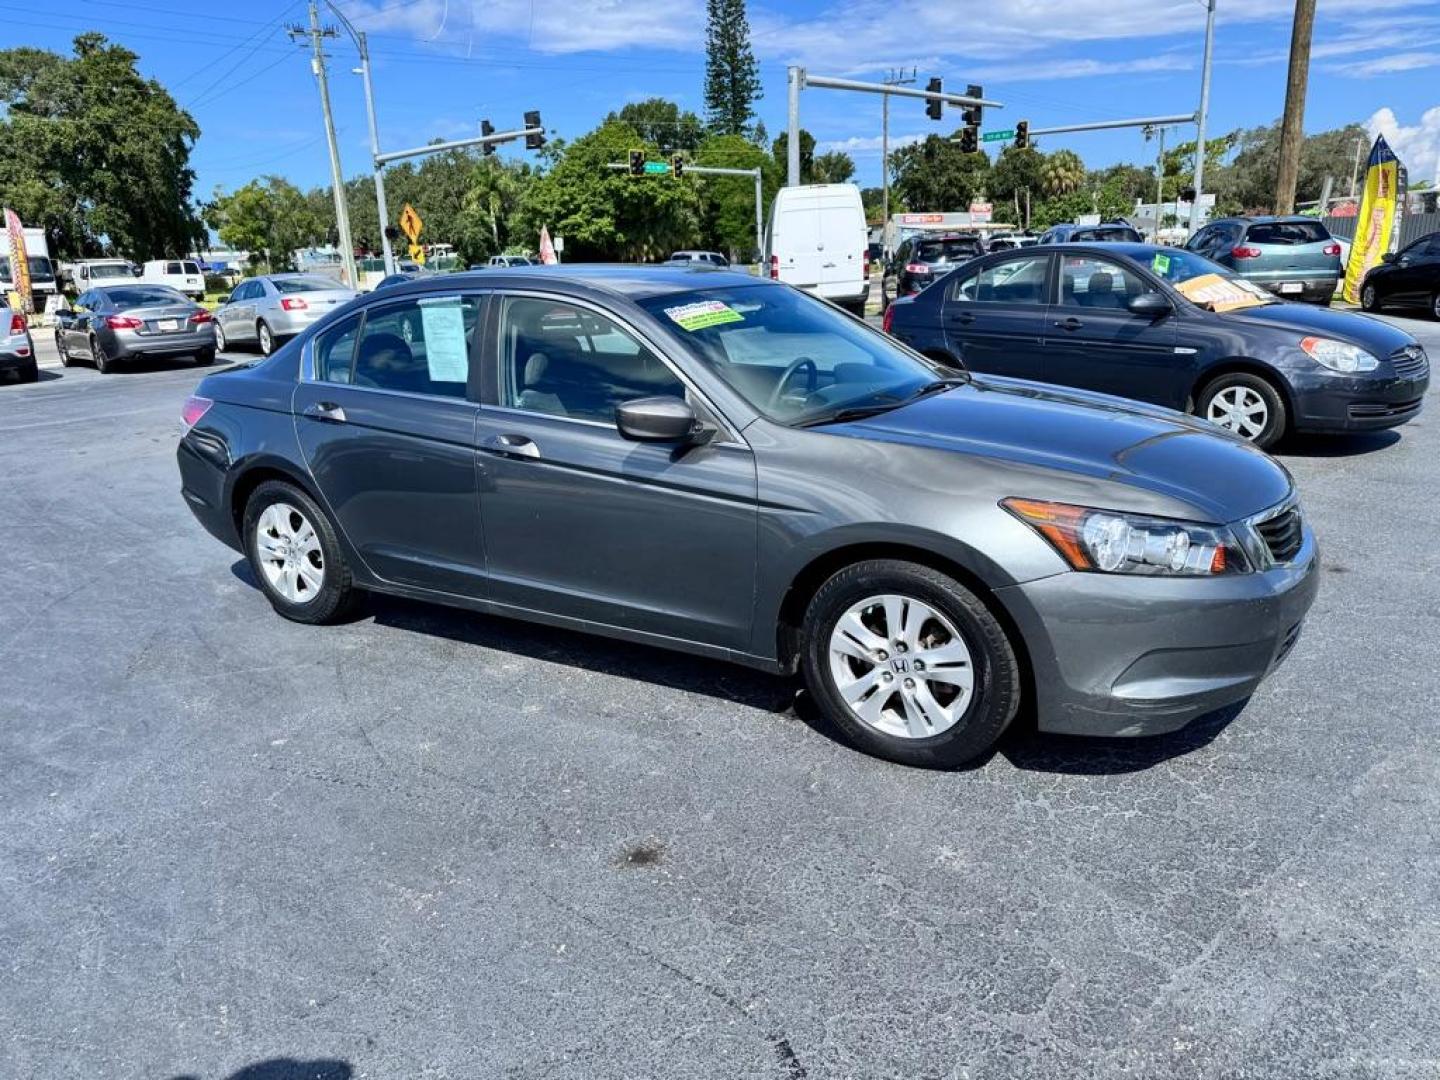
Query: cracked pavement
433	844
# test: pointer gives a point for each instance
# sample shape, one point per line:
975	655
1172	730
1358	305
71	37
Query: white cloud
1417	146
868	144
1080	68
1388	64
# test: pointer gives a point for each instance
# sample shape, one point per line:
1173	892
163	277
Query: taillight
123	322
775	267
195	407
888	319
916	268
1243	252
293	303
17	323
1331	249
202	316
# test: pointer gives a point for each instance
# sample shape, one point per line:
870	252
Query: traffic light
974	114
934	106
392	233
536	140
487	129
1022	135
637	162
969	139
677	165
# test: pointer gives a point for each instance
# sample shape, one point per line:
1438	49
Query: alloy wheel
289	553
901	666
1435	306
97	356
60	348
220	342
267	341
1367	298
1240	409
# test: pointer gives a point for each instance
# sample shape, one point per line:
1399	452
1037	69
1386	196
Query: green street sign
998	136
657	167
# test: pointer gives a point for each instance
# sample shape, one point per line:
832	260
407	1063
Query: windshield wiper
851	412
938	385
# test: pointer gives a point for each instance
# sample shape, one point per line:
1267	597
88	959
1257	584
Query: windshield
304	284
144	296
1194	277
795	359
111	270
1121	233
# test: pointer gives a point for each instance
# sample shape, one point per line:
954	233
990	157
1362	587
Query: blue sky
441	65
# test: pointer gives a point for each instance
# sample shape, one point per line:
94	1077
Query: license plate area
167	326
1291	287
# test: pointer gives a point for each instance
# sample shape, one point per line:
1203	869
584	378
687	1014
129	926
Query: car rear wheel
31	373
1246	405
1368	300
296	556
205	357
1435	305
220	343
97	356
909	664
65	360
265	338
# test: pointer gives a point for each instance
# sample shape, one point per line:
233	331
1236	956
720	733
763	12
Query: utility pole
1292	127
342	211
1355	169
1159	178
895	78
1202	115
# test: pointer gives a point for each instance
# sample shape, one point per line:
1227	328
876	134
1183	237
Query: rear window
1287	233
303	284
139	296
946	250
1108	234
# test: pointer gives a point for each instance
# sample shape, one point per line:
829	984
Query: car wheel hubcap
265	340
1240	409
289	552
901	667
1367	297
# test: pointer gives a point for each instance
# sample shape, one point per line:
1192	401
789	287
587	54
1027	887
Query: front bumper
1328	402
1117	655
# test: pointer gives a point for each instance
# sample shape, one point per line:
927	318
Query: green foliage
728	202
270	218
935	175
836	167
662	123
732	78
1062	173
780	150
95	154
1248	181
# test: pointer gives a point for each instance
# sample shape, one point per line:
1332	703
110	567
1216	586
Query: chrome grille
1283	534
1410	362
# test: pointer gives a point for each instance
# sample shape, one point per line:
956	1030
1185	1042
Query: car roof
622	279
1265	219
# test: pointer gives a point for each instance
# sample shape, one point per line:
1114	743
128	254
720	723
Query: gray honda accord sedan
709	462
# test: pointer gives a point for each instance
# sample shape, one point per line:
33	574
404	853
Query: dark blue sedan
1167	326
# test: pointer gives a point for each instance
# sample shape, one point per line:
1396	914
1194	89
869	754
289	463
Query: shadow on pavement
289	1069
1333	446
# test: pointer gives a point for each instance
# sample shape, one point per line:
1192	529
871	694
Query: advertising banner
19	259
1376	221
547	249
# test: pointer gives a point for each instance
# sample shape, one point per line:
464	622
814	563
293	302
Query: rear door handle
511	446
325	410
1071	323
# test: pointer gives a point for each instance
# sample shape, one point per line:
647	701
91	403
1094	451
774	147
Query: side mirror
1389	256
657	419
224	298
1151	305
135	271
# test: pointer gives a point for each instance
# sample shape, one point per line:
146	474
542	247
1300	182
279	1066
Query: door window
1088	282
564	360
190	268
173	268
335	352
1020	280
419	346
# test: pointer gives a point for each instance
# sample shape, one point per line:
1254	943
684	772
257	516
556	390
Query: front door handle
327	411
965	318
1071	323
512	446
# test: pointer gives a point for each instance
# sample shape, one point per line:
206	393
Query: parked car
1009	241
1166	326
1107	232
816	239
511	260
729	467
17	349
1407	278
112	324
698	258
1294	257
82	275
267	310
182	275
401	277
919	260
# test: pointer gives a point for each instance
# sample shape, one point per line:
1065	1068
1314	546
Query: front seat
535	393
386	362
1100	292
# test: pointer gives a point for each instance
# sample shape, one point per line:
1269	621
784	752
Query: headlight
1111	542
1338	356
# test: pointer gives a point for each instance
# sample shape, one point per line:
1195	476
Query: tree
1248	182
836	167
490	205
728	202
780	150
1062	173
270	218
1016	178
96	154
663	123
936	175
732	79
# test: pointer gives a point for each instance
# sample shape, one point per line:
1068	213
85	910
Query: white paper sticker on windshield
446	351
704	313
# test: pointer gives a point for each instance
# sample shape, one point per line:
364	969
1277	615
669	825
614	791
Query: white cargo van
816	239
182	274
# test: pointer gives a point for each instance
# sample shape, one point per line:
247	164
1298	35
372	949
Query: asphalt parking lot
433	844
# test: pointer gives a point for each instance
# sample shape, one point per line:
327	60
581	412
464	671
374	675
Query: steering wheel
803	363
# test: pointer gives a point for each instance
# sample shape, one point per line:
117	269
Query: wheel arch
1244	365
259	472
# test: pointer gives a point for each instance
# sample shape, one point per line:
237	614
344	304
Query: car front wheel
296	556
1435	305
909	664
1247	405
1368	300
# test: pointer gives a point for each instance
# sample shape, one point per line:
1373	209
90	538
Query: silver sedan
266	310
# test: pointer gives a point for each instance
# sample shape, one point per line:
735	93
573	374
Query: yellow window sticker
703	313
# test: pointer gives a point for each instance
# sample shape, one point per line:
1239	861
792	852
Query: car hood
1091	435
1374	335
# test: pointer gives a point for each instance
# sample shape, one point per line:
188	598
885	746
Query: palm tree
1062	173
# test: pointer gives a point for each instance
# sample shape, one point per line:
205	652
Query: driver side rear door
994	315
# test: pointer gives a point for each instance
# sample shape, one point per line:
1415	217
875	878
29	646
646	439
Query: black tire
264	338
65	360
337	596
1277	416
205	357
1369	300
1435	305
103	363
31	373
996	688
